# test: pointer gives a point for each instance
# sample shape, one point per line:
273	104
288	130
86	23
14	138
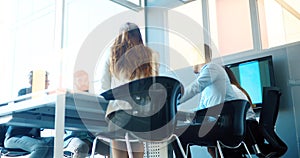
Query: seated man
27	138
215	88
79	143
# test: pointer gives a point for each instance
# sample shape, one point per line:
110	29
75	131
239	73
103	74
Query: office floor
198	151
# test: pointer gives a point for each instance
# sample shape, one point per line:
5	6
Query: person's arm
190	91
208	74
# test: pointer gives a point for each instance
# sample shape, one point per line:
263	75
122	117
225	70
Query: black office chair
268	143
152	117
253	138
220	126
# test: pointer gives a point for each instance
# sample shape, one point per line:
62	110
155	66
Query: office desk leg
59	126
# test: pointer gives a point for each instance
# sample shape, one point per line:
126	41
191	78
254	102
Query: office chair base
219	144
129	149
169	139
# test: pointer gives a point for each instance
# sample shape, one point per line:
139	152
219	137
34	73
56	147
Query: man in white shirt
213	84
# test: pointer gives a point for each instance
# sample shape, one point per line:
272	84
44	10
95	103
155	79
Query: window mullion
256	35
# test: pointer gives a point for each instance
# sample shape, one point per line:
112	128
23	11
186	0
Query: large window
29	39
80	19
279	22
230	25
186	35
90	28
231	22
27	42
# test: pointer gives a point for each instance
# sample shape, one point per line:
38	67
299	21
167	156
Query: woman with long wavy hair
129	60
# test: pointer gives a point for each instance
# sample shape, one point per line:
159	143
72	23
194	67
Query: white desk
59	111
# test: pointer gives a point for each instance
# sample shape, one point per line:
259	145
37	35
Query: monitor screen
253	75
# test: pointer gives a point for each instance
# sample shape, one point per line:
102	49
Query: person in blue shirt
27	138
28	90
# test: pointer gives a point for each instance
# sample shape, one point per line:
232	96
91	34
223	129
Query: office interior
62	36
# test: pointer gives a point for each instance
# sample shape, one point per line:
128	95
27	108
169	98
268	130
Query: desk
59	111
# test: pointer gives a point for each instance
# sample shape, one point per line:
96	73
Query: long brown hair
235	82
129	56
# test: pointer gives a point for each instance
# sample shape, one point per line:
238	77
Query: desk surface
83	111
80	111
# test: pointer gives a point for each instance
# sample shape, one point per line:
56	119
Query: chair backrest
268	117
153	101
230	126
270	106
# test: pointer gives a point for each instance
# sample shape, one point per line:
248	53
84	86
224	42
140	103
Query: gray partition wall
287	76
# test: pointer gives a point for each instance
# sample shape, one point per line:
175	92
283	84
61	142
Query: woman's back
129	60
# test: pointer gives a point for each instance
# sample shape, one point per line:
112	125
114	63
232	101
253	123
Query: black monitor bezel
268	58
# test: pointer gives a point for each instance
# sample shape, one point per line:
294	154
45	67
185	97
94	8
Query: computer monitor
253	75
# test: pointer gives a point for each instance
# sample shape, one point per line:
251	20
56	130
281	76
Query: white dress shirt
213	84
